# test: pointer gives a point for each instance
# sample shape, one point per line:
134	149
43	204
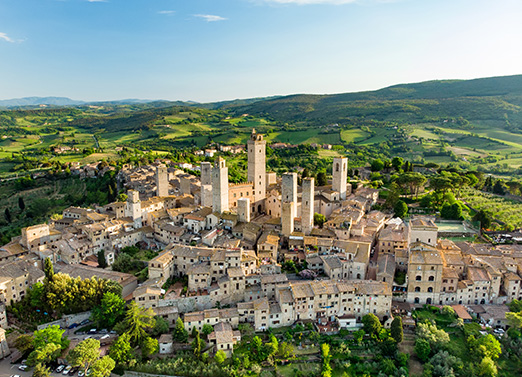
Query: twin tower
215	187
250	197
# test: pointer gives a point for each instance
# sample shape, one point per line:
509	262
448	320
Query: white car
67	370
15	375
81	373
60	368
23	367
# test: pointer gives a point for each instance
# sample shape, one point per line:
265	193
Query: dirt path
407	346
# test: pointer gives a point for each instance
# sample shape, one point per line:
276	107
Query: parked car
105	336
73	371
104	331
14	375
81	373
84	322
88	373
24	362
23	367
67	370
73	326
93	331
60	368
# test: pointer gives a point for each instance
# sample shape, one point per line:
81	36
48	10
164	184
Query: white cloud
210	17
167	12
6	38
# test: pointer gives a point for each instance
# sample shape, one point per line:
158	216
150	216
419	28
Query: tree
371	325
21	203
400	209
326	369
124	263
160	327
422	349
377	165
319	219
24	343
321	179
180	334
397	163
7	214
197	345
137	320
102	262
149	347
436	337
121	350
485	218
272	346
256	348
51	334
485	346
44	354
451	211
85	354
103	367
220	357
40	370
48	269
207	329
396	329
487	368
110	311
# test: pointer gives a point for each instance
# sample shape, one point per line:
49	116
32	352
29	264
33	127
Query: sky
212	50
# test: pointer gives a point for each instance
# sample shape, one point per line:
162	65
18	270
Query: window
418	278
431	278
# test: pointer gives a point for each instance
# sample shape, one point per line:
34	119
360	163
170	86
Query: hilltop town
273	252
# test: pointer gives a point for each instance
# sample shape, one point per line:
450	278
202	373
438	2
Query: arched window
418	278
431	278
430	289
417	289
337	167
416	301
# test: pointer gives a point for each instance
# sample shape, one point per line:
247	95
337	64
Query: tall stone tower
220	186
289	190
206	184
257	169
307	206
162	181
243	210
206	173
133	208
340	176
287	218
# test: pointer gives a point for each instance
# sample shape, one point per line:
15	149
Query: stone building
256	150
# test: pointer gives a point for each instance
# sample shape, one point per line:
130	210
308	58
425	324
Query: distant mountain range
64	101
487	99
31	102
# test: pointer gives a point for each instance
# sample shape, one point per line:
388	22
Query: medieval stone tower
340	176
220	186
287	218
257	169
206	184
307	206
243	210
289	191
162	181
133	208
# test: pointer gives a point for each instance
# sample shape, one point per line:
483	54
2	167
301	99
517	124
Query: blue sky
208	50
